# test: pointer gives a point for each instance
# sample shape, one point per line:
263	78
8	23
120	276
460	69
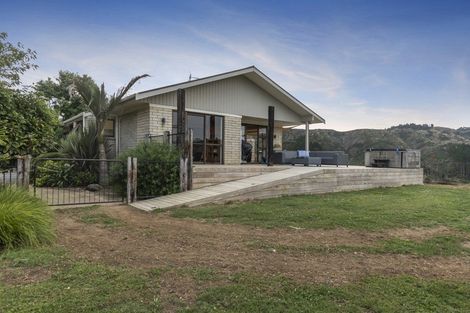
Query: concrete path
208	194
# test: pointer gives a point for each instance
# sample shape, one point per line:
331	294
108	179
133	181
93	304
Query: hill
441	147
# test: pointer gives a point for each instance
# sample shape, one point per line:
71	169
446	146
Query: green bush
54	173
157	168
24	220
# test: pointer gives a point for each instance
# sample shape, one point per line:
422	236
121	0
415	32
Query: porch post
180	118
270	135
307	130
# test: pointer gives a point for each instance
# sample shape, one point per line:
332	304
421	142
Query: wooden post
183	174
134	179
26	171
23	171
190	160
180	118
19	171
270	135
129	179
181	137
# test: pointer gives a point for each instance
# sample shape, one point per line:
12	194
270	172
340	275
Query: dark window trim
204	143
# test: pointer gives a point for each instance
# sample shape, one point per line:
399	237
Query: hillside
439	145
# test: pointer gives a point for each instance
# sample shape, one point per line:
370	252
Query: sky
358	64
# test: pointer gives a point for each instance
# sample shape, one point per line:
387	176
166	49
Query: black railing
168	138
8	177
63	181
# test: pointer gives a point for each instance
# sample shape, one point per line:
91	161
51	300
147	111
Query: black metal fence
175	140
8	176
62	181
444	172
14	171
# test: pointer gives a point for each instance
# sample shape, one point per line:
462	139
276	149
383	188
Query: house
225	112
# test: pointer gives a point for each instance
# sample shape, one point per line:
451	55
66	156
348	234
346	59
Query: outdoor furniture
331	157
317	158
306	161
295	157
283	157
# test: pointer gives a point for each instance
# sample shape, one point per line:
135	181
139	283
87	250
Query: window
109	128
207	136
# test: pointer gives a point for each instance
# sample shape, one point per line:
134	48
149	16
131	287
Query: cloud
298	70
353	77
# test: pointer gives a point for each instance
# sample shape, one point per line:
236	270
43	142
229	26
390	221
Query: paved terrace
296	180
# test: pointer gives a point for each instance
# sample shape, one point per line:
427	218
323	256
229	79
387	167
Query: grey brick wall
143	124
232	143
157	113
127	131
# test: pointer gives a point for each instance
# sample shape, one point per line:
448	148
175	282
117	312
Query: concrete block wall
232	141
208	175
332	180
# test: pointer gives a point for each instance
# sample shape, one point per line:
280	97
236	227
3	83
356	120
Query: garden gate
63	181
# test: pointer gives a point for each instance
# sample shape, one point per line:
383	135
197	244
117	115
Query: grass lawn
77	286
344	255
375	209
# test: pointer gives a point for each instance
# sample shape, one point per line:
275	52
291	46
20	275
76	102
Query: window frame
204	143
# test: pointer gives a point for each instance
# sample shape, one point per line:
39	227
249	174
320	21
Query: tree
14	61
57	91
27	124
101	105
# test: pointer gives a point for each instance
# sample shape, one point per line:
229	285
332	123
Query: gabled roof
253	74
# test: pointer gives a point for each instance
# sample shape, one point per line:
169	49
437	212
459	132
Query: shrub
157	168
24	219
55	173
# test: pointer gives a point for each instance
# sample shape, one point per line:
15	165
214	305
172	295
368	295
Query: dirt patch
176	290
159	241
466	244
23	276
420	234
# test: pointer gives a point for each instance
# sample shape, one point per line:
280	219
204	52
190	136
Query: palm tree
101	105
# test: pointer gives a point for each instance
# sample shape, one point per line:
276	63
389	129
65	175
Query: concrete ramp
297	180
